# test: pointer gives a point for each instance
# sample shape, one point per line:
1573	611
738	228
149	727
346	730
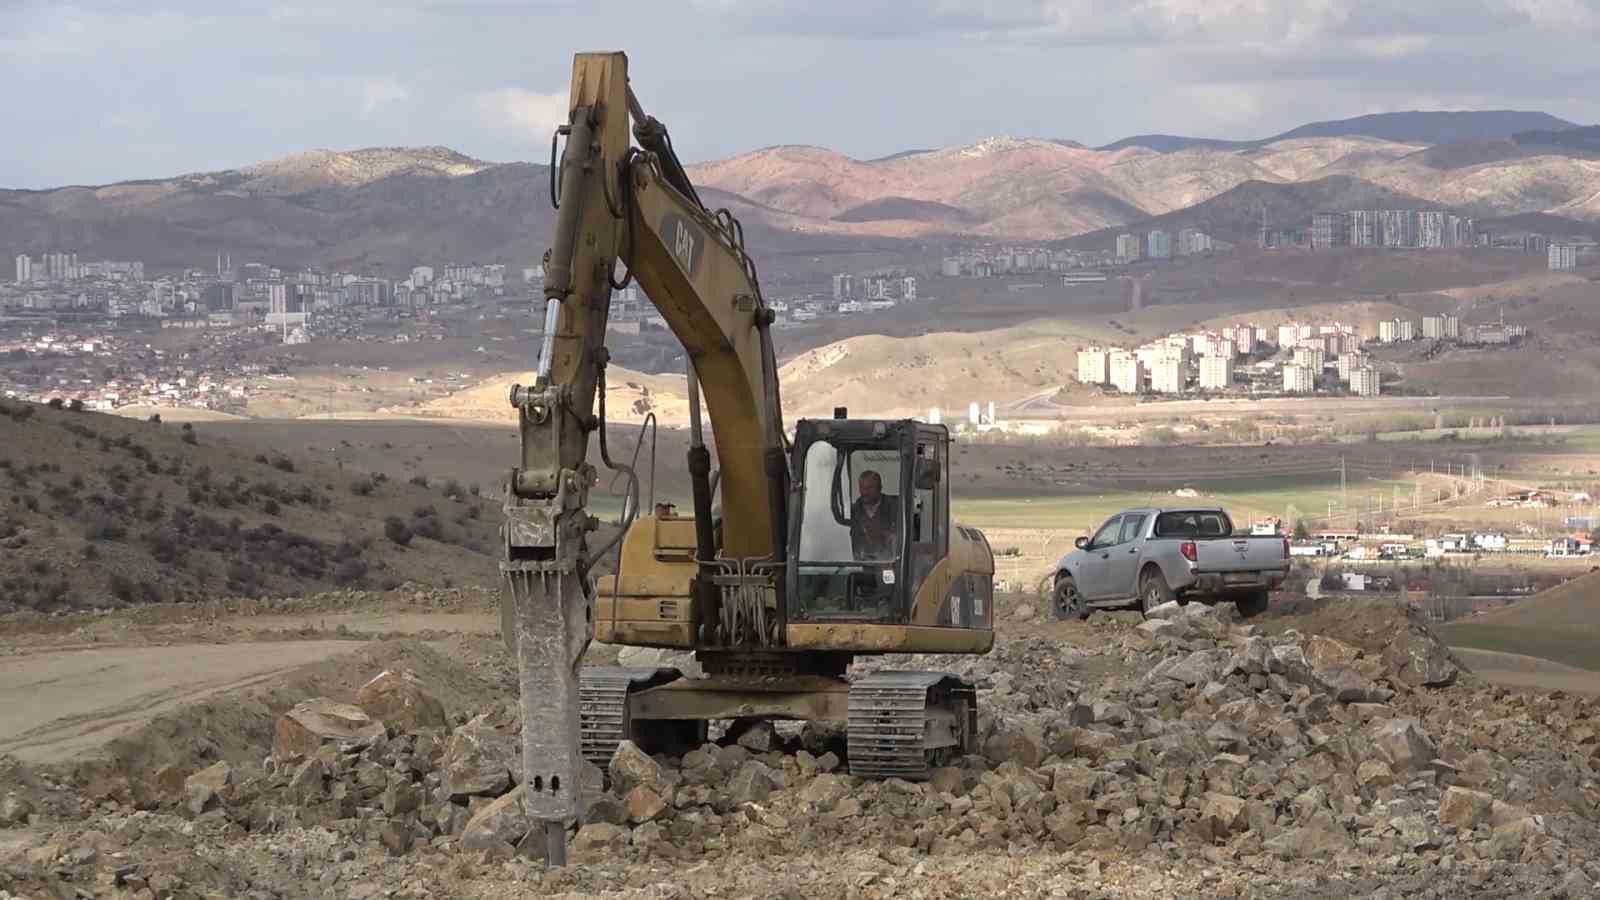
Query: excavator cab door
853	517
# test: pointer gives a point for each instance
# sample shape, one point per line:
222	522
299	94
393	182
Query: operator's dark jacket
875	537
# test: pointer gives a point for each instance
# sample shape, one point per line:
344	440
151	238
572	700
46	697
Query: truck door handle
1133	549
1106	555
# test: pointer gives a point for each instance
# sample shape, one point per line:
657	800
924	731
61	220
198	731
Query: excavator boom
617	204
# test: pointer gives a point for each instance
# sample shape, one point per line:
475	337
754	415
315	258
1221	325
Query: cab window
1132	527
1107	535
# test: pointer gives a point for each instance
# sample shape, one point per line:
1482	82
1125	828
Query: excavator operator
874	520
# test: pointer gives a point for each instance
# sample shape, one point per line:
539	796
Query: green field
1245	499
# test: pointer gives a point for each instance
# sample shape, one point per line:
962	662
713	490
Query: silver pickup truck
1145	557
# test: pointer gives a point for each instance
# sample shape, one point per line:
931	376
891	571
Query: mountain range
388	208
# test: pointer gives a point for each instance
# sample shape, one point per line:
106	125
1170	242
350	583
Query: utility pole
1342	482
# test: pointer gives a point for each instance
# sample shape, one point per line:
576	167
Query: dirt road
59	701
59	704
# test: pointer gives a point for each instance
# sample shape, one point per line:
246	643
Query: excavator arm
633	210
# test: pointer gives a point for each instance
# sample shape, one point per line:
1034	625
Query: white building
1407	329
1127	247
1288	334
1364	382
1389	331
1160	244
1563	257
950	266
1127	372
1298	379
1349	362
1167	376
1312	357
1433	327
1452	326
24	268
1093	365
421	276
1216	372
1192	241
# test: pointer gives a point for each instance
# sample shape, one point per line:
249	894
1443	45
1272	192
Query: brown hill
1572	604
383	209
102	510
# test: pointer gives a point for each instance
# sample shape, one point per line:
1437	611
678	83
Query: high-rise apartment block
1167	375
1216	372
1094	366
1127	372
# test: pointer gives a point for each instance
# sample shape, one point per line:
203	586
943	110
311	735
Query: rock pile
1253	759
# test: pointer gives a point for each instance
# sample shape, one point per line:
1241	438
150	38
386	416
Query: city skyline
188	87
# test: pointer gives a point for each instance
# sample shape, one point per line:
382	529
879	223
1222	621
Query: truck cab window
1107	535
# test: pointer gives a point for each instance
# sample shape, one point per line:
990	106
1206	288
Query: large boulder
398	700
630	767
1418	659
1403	744
204	789
643	805
312	723
481	761
1463	809
1024	746
752	783
825	791
1222	815
500	825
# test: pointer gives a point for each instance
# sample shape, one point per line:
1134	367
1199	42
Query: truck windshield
852	524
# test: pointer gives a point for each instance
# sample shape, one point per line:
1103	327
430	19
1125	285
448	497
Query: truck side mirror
1082	543
926	475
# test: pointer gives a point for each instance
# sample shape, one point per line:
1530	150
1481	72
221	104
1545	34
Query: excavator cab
871	538
871	520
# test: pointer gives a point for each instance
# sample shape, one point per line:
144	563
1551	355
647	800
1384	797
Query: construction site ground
107	716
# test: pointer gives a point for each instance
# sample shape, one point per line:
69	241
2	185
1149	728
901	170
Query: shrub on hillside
396	530
419	480
283	464
350	570
362	487
104	528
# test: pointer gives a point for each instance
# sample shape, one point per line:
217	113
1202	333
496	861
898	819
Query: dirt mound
1574	604
146	767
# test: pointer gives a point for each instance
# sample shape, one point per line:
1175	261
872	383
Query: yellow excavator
830	545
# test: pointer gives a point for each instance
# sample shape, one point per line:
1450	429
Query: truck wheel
1251	604
1153	589
1069	604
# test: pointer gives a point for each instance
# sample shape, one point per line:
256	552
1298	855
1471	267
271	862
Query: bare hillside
99	510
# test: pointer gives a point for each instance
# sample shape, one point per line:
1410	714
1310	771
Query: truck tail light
1285	548
1187	548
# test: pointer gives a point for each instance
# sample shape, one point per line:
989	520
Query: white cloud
377	93
521	112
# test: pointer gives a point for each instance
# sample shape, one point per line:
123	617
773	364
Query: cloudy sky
115	89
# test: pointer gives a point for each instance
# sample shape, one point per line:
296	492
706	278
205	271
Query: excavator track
905	724
603	706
